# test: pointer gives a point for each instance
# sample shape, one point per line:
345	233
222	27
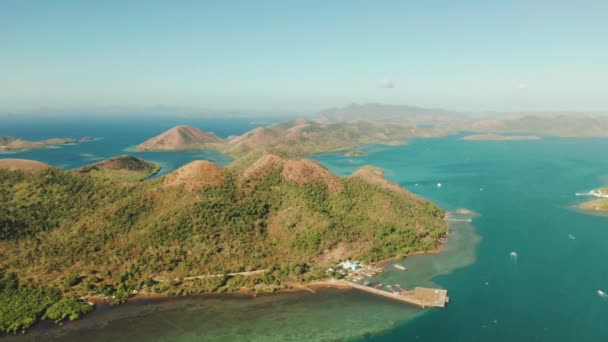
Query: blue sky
302	56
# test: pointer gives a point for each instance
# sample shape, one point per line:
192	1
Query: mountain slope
305	137
180	138
12	164
83	235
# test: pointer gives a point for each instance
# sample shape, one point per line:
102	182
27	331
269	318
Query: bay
523	191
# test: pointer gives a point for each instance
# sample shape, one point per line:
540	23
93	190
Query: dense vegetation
67	234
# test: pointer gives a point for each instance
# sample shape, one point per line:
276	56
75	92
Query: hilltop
196	175
121	169
12	164
181	138
291	217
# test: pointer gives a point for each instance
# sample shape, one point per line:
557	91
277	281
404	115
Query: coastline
252	293
290	287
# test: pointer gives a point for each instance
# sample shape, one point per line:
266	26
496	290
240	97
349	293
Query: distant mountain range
293	138
563	124
346	128
389	113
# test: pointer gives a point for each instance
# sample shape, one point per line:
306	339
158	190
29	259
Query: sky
304	56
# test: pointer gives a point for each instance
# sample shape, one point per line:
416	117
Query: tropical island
262	224
269	221
298	137
13	144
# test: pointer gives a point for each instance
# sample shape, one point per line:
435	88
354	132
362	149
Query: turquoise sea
522	190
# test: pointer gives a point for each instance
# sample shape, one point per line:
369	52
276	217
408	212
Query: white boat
601	293
571	237
400	267
513	255
439	185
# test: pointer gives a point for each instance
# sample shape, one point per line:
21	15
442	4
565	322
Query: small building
350	265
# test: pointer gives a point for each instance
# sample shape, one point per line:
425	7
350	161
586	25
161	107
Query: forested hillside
69	234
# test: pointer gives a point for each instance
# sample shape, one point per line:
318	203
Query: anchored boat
400	267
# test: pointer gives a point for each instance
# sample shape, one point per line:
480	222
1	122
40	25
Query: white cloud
522	86
387	83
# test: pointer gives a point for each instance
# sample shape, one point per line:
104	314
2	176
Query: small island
13	144
499	137
121	169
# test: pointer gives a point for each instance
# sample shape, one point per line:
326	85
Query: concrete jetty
420	296
458	220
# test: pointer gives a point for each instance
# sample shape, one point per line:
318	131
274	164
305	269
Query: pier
458	220
419	296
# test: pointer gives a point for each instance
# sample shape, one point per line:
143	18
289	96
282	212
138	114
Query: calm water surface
522	190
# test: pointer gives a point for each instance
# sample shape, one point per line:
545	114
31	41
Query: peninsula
260	224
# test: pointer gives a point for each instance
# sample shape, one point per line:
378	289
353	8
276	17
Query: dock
458	220
420	296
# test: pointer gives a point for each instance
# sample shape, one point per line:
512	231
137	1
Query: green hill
121	169
69	234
